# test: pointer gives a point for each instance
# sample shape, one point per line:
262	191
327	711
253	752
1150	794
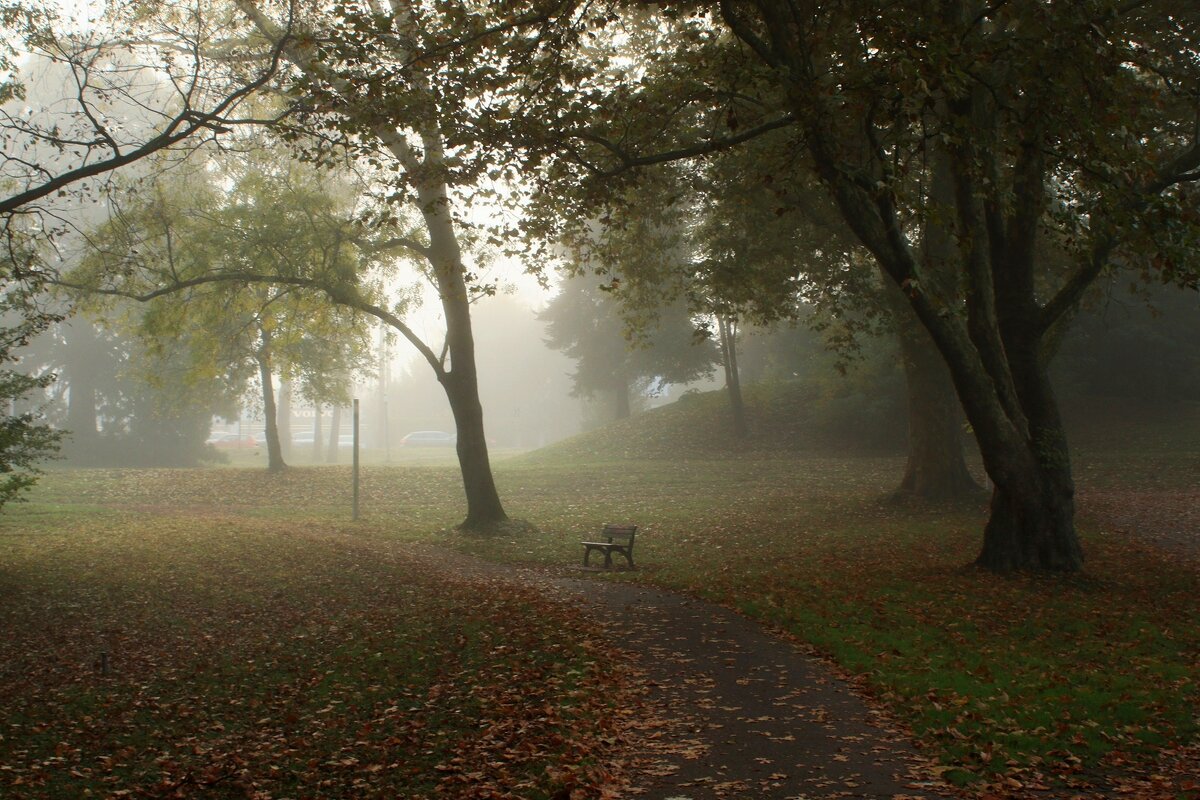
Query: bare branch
629	161
183	125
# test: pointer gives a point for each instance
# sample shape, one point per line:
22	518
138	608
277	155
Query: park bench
617	539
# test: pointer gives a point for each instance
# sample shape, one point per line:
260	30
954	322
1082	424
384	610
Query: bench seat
616	539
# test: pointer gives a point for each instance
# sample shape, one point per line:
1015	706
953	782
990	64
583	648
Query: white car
429	439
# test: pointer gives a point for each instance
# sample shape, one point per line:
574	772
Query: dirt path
762	719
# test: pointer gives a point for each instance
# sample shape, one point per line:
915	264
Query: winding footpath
752	715
766	720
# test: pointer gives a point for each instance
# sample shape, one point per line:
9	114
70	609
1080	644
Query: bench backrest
612	531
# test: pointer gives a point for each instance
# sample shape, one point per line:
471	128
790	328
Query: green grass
255	655
1085	681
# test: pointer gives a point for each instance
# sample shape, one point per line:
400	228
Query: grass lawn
1013	684
1021	682
151	652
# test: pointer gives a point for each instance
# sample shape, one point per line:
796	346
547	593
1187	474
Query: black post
354	468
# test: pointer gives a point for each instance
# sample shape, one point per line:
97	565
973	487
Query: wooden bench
617	539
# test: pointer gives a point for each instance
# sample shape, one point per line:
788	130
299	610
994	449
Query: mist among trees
296	177
331	333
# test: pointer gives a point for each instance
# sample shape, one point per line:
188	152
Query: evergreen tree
585	322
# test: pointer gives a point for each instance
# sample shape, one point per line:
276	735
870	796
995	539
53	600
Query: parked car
232	441
429	439
306	440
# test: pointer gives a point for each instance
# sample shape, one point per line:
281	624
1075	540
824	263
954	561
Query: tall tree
271	219
1013	91
363	73
1033	115
366	49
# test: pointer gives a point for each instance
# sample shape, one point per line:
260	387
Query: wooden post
354	468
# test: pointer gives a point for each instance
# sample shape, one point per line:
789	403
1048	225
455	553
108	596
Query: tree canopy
991	161
1002	132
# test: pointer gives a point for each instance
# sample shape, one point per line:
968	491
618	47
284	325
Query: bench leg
587	552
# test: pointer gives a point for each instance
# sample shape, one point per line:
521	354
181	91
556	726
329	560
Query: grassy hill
783	418
800	418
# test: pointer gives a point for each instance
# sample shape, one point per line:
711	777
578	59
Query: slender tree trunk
727	326
316	433
483	501
81	395
621	398
81	410
335	432
461	381
284	412
274	453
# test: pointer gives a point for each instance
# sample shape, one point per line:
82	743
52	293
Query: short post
354	462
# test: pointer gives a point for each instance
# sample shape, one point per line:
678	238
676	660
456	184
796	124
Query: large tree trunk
936	468
274	453
727	327
1032	521
1031	524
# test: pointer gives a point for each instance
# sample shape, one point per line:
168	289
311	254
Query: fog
127	401
159	384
